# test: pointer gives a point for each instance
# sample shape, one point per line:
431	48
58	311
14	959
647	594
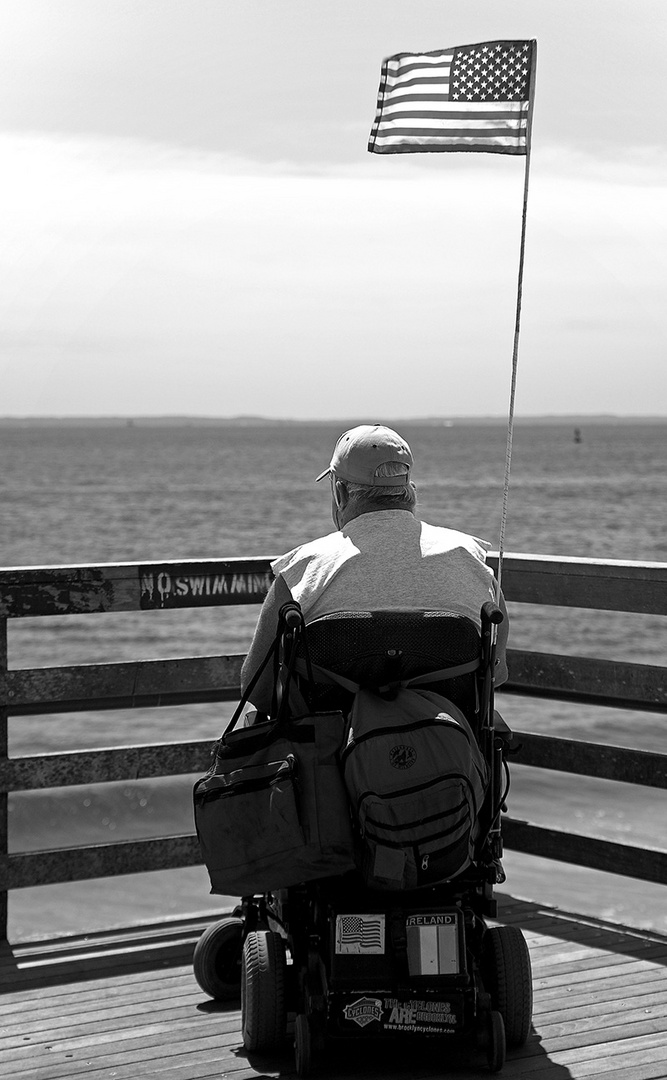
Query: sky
191	224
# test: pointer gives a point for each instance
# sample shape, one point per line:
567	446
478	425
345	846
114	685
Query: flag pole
517	328
443	93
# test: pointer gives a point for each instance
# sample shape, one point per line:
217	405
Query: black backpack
416	779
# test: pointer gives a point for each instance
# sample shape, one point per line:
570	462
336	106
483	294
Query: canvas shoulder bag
272	810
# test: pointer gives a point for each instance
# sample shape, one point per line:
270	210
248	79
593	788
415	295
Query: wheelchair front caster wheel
303	1044
217	959
495	1045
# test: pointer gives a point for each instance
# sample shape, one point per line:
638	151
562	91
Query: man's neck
366	510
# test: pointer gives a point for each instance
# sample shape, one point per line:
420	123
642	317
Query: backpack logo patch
402	757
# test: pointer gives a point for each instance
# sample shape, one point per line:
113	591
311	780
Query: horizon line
250	418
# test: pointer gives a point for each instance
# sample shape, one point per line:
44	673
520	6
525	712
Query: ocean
118	491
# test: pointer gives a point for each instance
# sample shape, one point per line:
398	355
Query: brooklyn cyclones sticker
364	1011
411	1016
420	1017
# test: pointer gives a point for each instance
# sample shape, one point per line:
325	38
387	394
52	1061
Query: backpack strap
441	675
444	673
326	676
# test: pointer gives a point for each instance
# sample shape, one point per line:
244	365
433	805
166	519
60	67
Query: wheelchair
333	959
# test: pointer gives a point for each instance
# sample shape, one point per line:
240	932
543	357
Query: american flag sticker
433	946
357	934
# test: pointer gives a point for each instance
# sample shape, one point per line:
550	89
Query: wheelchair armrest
501	730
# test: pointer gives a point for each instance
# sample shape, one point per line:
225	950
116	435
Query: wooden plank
648	864
597	965
597	1005
619	982
630	1042
187	680
38	1017
607	762
99	860
587	681
626	969
104	1015
108	860
609	585
80	980
650	1066
123	964
544	943
136	684
169	759
171	1043
629	1064
92	1027
199	1051
102	766
568	953
80	590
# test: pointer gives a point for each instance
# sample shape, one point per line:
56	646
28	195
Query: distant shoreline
261	421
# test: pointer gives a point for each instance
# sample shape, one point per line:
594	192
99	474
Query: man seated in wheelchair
400	625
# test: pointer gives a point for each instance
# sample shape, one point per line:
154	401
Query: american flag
360	933
472	97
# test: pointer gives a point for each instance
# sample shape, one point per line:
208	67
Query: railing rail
545	580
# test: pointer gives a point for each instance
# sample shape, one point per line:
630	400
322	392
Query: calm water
123	493
115	493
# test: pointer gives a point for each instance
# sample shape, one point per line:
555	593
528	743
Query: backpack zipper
398	730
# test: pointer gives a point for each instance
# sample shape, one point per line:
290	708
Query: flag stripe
452	137
442	146
500	117
417	71
441	104
411	61
473	97
426	80
486	130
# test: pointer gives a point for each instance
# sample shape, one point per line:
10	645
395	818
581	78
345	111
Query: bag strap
441	675
444	673
245	698
290	618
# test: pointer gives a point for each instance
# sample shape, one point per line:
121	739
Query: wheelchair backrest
378	648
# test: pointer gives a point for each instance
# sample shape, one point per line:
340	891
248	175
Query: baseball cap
361	450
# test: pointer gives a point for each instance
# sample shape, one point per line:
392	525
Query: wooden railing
545	580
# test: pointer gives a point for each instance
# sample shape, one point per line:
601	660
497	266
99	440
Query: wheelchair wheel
217	959
496	1044
263	1010
302	1044
508	978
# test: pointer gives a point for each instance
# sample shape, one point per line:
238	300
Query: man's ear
340	494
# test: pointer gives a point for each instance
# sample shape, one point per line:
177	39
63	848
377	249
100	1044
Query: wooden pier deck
124	1004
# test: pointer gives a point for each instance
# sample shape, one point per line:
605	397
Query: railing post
4	752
